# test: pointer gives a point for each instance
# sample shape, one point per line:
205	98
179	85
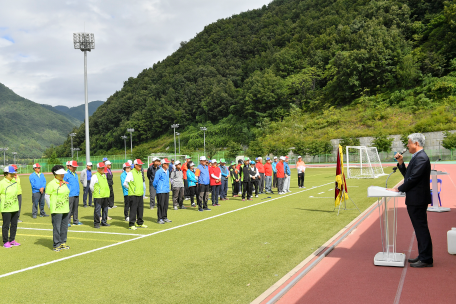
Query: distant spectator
225	174
235	179
71	177
274	171
216	181
110	178
123	176
260	167
184	172
192	182
153	168
9	207
161	184
177	185
19	192
268	176
255	178
134	183
280	175
38	183
301	167
202	172
86	176
286	187
100	188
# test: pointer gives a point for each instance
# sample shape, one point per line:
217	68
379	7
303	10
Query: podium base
393	259
438	209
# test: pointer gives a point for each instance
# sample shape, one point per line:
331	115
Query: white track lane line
99	232
151	234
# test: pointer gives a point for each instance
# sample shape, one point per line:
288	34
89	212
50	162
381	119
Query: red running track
348	275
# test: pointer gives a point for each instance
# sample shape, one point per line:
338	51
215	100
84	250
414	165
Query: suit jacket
416	180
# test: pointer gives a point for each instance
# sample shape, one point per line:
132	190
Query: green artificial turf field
232	256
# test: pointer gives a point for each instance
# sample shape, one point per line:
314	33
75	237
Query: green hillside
295	70
27	128
78	112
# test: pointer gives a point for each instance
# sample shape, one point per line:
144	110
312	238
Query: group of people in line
186	181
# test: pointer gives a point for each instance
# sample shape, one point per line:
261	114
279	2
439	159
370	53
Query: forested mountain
77	112
243	75
27	128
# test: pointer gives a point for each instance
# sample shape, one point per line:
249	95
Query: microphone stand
394	171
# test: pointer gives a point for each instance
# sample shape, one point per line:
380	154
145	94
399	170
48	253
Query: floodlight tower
14	156
85	42
71	136
4	155
124	137
77	152
175	126
131	140
204	129
179	139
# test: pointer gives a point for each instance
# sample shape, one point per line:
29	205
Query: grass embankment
226	259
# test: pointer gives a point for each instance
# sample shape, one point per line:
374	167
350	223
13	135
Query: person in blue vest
71	177
225	174
274	171
161	185
123	176
286	168
202	172
38	183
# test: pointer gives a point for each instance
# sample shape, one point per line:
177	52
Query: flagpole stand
344	201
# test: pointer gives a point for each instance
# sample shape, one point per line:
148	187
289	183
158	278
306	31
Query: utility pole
124	137
175	126
204	129
131	140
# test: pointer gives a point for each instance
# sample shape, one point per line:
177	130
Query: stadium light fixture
179	139
124	137
4	155
131	140
204	129
85	42
14	156
175	126
71	136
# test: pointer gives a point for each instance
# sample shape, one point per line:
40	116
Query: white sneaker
256	195
145	197
127	219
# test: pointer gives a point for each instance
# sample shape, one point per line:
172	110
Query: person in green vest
19	192
134	183
100	188
9	207
59	204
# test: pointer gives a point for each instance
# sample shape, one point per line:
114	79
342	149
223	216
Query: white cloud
38	61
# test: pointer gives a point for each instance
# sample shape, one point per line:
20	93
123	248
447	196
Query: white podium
435	190
388	227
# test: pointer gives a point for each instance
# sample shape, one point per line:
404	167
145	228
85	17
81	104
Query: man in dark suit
418	196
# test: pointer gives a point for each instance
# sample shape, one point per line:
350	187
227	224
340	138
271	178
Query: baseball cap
177	162
60	171
188	157
125	165
130	162
165	161
275	157
191	164
222	160
37	165
73	163
252	164
203	158
14	166
9	169
68	163
101	165
89	164
172	159
209	161
214	160
246	158
108	162
105	159
299	156
267	158
233	163
155	158
138	162
259	157
282	157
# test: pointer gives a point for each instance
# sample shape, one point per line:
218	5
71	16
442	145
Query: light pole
204	129
77	152
131	140
179	139
85	42
14	156
124	137
175	126
71	136
4	155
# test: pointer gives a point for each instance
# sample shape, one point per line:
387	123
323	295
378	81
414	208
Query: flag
340	179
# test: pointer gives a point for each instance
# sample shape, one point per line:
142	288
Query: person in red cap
134	183
38	183
100	189
71	177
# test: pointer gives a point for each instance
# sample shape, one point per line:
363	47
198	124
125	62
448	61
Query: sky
38	60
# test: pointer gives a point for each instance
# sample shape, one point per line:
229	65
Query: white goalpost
363	162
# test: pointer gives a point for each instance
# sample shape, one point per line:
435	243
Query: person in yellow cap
100	188
59	204
9	207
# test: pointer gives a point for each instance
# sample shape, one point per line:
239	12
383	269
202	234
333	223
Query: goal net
363	162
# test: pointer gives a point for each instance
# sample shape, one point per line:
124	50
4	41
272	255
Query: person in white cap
161	185
85	177
123	176
59	204
153	168
100	189
177	185
134	183
38	183
9	207
109	177
301	167
71	177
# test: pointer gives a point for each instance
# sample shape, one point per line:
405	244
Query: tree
382	142
211	150
449	140
233	150
53	160
255	149
404	139
313	147
349	141
141	152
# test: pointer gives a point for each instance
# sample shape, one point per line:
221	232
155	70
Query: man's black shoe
200	209
167	221
44	215
105	225
420	264
34	216
207	209
413	260
272	192
97	227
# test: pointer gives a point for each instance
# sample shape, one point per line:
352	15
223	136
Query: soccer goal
363	162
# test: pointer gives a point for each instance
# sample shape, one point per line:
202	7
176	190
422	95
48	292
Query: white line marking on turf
99	232
321	197
321	193
151	234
